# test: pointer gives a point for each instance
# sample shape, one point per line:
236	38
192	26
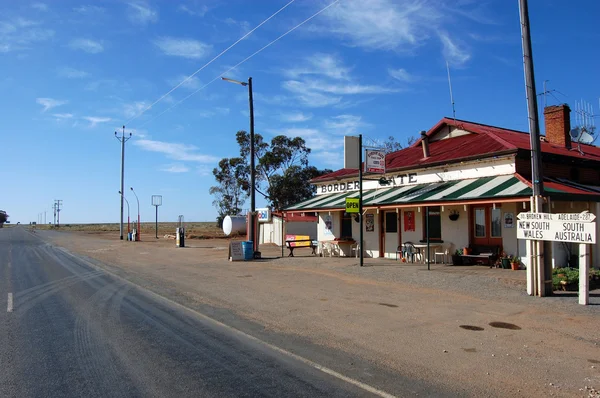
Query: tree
292	186
3	218
231	175
391	145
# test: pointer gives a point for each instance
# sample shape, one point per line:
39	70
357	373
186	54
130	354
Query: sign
409	221
352	205
328	225
236	253
370	222
509	220
565	227
374	161
579	217
264	215
305	238
336	187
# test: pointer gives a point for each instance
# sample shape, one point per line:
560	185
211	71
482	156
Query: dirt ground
470	330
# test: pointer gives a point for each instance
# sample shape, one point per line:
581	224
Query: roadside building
473	178
273	226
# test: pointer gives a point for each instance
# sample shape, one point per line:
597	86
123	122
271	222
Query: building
473	178
272	227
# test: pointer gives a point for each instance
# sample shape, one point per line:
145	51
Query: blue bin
248	249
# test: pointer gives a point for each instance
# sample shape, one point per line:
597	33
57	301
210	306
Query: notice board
236	253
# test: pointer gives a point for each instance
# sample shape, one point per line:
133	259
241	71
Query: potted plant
504	260
456	257
515	263
466	251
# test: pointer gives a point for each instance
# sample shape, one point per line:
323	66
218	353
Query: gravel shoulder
399	318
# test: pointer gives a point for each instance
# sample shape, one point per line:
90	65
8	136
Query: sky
73	73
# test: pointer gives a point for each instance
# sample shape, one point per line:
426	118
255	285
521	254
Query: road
71	329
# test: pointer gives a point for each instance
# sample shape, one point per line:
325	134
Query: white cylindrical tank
234	224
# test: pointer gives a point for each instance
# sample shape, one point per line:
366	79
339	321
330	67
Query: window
346	225
435	224
480	223
391	222
496	223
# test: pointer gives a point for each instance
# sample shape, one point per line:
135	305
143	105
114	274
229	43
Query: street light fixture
137	235
252	167
126	201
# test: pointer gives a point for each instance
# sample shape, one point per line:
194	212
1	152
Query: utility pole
44	217
122	140
57	203
539	252
54	210
360	199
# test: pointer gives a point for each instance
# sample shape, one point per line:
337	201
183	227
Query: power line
238	64
208	63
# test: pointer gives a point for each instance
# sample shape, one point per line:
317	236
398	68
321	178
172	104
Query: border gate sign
375	161
562	227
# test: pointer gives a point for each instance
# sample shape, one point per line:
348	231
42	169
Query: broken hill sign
562	227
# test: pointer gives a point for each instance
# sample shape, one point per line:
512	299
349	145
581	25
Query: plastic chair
326	249
443	251
412	252
355	248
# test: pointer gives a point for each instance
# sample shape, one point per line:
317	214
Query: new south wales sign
560	227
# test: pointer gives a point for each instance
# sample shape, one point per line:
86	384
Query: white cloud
295	117
199	11
95	120
345	124
402	75
176	151
347	88
187	48
175	168
40	6
190	83
49	103
89	9
71	73
18	34
134	108
329	158
310	97
321	64
87	45
454	52
141	13
63	116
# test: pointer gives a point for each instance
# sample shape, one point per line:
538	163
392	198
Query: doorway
486	225
390	233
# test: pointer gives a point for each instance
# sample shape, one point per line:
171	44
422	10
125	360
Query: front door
391	233
487	225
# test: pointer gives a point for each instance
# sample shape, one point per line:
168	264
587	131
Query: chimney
425	144
558	125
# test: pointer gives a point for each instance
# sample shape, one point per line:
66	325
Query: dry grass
193	230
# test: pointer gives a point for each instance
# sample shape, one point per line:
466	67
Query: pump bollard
182	237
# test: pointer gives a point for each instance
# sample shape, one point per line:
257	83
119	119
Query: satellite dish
580	135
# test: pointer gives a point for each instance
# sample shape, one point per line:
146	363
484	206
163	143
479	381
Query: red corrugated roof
485	141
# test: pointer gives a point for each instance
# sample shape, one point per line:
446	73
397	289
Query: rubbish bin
181	237
129	236
177	237
248	250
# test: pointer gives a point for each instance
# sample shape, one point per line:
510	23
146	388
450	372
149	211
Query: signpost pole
584	274
360	198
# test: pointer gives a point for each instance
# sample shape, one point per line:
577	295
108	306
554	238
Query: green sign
352	205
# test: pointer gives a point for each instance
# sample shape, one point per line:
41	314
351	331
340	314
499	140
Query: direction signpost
563	227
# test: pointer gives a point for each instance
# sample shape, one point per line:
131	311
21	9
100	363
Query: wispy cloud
402	75
95	120
295	117
49	103
186	48
454	52
87	45
193	83
345	124
309	97
315	139
40	6
141	13
18	34
176	151
199	11
175	168
71	73
89	10
133	109
320	64
63	116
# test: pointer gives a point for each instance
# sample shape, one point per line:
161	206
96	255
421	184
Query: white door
390	229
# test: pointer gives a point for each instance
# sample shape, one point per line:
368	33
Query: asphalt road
68	328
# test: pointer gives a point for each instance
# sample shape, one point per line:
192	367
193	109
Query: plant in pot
515	263
466	251
504	260
456	257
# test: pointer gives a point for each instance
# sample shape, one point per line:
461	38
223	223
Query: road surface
70	329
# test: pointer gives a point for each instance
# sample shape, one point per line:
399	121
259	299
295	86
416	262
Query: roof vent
425	144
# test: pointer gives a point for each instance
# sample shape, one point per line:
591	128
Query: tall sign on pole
156	201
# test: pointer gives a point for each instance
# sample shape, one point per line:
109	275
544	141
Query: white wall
455	232
271	232
336	216
371	239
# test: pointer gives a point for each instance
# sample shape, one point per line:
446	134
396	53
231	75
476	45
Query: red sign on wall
409	221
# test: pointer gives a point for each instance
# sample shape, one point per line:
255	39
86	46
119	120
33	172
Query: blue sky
73	73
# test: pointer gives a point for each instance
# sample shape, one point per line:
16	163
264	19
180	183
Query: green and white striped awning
506	186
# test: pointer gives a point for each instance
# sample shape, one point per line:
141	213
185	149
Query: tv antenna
451	96
585	125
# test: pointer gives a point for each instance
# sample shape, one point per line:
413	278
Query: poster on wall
409	221
370	222
509	221
328	225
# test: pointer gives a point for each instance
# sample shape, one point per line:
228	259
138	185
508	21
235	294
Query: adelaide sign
562	227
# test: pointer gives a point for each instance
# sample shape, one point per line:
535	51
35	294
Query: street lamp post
122	139
137	235
156	201
252	166
126	201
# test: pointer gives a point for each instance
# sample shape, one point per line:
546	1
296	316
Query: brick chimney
558	125
425	144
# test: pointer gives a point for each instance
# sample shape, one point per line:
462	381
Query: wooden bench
484	255
308	243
